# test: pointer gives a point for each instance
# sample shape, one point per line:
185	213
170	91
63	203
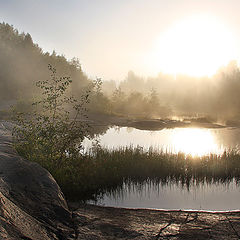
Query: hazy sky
111	37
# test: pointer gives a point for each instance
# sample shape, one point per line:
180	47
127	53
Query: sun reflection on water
194	141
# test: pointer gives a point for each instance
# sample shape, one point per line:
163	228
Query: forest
23	63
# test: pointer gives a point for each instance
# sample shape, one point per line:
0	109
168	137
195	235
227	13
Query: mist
216	97
23	62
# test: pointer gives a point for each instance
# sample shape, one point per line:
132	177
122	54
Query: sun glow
196	46
194	141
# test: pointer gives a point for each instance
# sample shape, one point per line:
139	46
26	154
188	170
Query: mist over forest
23	62
216	97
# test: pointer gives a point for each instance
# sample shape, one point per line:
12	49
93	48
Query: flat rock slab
95	222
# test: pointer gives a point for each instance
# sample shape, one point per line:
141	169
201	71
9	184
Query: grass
102	170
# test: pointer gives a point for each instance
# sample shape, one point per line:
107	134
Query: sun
196	46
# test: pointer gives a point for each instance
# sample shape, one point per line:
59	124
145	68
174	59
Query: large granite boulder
32	205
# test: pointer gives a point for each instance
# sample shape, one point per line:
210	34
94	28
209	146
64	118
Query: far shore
138	122
154	124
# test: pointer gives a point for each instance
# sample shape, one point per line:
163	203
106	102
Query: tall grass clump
134	165
102	170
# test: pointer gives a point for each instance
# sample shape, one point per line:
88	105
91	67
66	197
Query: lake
194	141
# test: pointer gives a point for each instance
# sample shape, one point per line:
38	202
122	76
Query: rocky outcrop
32	205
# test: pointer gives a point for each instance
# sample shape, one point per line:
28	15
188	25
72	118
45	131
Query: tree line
23	63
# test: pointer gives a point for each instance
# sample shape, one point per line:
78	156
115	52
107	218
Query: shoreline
73	207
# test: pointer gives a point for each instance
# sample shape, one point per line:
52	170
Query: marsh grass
101	170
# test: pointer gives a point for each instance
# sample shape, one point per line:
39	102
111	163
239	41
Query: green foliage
99	102
138	105
118	101
51	133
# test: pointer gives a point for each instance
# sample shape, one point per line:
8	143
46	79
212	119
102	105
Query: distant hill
23	62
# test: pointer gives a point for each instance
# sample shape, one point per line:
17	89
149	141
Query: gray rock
32	205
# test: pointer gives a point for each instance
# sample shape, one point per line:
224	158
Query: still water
213	197
194	141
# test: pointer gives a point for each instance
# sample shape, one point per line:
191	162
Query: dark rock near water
32	205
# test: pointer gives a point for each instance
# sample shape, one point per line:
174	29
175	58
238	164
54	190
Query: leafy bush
51	133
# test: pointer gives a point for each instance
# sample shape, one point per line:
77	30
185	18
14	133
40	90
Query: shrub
52	133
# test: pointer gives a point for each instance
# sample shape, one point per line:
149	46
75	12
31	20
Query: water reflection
215	196
194	141
211	186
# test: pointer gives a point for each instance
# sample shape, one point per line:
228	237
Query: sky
111	37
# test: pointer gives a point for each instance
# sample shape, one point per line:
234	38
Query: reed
102	170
